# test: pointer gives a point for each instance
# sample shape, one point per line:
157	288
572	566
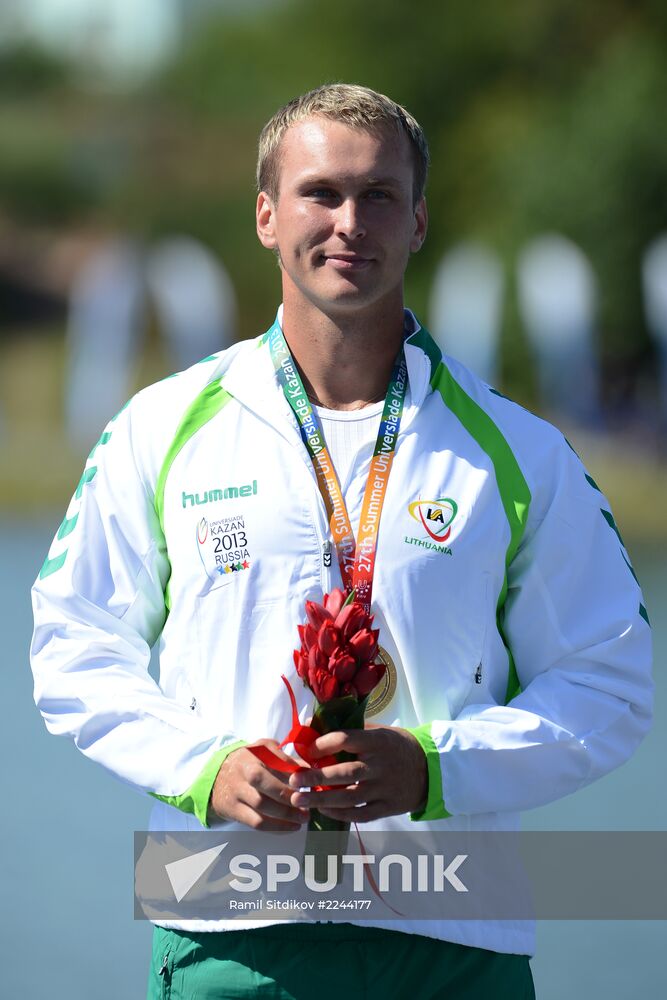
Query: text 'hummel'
228	493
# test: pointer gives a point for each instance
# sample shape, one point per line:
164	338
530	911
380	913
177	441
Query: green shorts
333	961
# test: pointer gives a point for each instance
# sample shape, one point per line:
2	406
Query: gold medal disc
382	695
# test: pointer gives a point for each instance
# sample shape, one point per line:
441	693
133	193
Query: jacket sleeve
99	606
576	626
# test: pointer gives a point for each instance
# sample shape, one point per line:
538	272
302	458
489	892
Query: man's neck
345	361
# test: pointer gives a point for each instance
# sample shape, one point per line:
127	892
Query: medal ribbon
357	560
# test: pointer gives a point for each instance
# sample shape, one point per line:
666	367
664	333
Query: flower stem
330	717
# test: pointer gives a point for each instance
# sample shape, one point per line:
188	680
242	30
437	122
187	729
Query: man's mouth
347	262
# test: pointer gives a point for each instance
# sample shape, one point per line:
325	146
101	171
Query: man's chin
346	303
342	297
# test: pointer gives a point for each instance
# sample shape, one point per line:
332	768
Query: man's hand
247	791
388	778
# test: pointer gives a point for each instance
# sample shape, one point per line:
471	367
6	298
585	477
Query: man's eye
321	193
377	195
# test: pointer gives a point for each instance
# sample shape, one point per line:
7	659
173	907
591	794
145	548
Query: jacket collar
251	378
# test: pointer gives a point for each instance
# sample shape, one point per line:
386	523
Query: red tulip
342	666
301	664
328	638
351	619
334	601
367	677
308	635
317	614
316	659
364	645
323	685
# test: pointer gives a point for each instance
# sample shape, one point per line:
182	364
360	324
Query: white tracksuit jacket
198	521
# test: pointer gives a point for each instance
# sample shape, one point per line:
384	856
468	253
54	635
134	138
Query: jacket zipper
327	557
163	973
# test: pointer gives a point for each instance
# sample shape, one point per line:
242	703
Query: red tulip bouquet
337	662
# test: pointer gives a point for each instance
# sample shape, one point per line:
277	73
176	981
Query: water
66	927
66	923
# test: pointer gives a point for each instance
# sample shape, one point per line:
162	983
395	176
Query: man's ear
421	225
265	215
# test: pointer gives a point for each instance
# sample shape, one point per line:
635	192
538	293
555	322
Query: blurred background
128	250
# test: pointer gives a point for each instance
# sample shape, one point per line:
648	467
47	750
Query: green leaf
339	713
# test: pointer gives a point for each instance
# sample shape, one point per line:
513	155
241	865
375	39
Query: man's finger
351	795
358	814
348	773
275	808
259	821
270	795
349	740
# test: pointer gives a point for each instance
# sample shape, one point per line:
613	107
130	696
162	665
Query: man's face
344	222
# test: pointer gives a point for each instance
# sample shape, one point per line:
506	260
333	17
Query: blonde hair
356	106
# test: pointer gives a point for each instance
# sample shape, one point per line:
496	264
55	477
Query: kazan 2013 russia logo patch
223	545
435	518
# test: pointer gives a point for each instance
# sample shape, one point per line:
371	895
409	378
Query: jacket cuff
435	803
196	798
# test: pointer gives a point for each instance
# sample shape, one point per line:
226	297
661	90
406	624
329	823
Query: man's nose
349	219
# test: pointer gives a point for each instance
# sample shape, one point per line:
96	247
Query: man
200	518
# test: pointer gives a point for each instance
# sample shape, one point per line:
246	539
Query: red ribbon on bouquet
303	738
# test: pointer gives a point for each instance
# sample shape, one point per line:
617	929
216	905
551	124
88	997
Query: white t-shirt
350	435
